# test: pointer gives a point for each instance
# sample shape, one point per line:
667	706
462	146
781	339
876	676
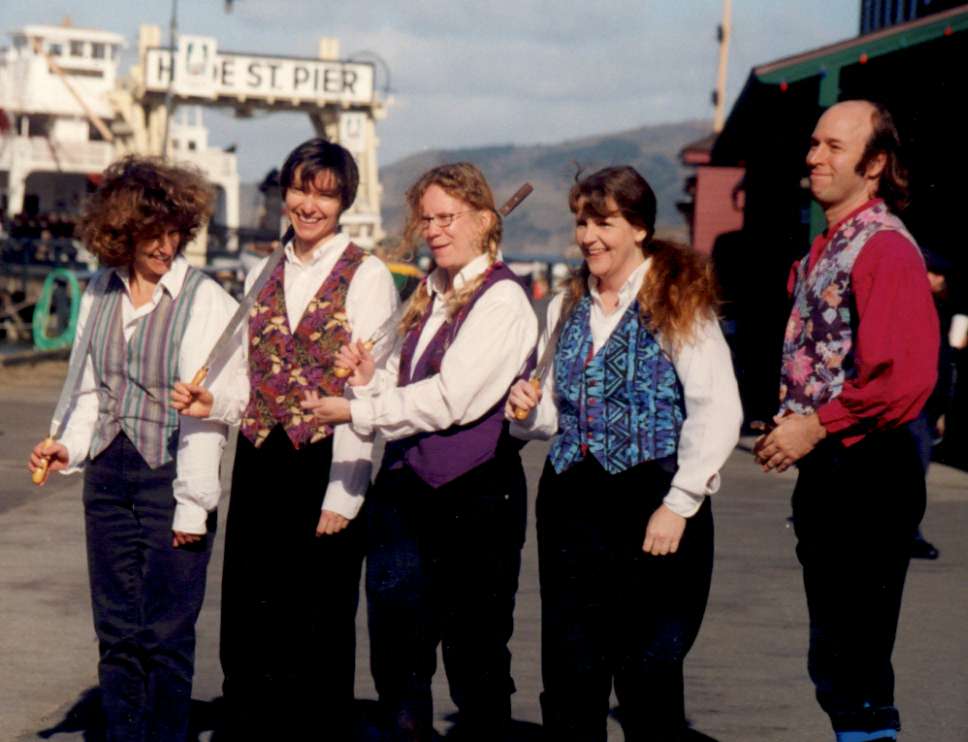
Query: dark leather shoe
921	549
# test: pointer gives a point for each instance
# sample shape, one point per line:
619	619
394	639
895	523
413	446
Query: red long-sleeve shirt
896	343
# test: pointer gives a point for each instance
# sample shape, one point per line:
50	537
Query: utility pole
169	94
719	94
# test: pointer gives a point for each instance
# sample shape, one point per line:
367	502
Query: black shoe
921	549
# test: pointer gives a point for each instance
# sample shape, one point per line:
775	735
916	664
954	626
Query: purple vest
440	457
818	345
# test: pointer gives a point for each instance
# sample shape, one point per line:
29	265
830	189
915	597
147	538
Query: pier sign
201	71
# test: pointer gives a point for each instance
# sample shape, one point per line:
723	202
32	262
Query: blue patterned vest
819	338
623	404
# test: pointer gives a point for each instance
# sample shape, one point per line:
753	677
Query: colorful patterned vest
284	365
440	457
817	357
623	404
135	378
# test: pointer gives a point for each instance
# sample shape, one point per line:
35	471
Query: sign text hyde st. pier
202	71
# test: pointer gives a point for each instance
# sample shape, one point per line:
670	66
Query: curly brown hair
463	181
141	198
679	288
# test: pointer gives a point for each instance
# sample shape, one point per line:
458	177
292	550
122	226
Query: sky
482	73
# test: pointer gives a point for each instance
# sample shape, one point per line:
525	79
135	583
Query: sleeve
896	341
488	354
542	423
200	442
83	411
714	415
370	301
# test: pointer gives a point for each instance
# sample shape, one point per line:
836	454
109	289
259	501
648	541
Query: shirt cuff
224	410
189	518
343	503
76	454
683	503
361	416
835	417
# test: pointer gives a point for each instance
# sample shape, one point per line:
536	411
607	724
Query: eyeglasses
440	220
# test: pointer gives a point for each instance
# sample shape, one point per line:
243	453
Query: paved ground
746	679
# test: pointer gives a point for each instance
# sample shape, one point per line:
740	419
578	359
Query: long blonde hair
679	288
463	181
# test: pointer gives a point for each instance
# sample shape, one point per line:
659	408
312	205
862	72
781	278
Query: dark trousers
611	612
855	511
146	595
289	598
442	568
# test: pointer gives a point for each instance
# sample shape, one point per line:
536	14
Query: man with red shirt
859	361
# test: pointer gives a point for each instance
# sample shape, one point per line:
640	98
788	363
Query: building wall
877	14
715	210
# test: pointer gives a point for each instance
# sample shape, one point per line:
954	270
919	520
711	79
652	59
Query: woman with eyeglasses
644	411
293	543
446	516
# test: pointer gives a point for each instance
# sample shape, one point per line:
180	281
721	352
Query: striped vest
284	365
135	378
623	404
819	338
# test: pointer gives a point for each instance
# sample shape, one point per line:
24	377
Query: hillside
543	224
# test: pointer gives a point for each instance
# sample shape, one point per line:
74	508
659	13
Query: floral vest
284	365
135	377
817	357
623	404
440	457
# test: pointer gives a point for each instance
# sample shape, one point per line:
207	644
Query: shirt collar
832	229
171	282
337	241
630	288
438	279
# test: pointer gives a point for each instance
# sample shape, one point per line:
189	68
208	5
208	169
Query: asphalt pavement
745	678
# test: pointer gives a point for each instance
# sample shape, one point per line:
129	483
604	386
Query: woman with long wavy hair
644	410
447	513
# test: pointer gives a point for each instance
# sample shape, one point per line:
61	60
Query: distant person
151	480
859	361
644	410
446	517
293	542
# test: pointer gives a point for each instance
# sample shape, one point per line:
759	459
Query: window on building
97	51
174	144
77	48
192	145
55	50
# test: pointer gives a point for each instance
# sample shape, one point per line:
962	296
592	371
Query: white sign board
201	71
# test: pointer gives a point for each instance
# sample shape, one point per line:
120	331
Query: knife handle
519	412
341	372
39	475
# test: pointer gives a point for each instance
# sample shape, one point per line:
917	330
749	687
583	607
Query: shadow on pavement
85	717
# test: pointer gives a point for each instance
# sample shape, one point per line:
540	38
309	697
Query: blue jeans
145	593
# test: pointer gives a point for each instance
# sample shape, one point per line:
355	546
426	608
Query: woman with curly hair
447	513
644	410
151	481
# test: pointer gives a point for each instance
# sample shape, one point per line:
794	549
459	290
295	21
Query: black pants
146	595
289	598
855	511
610	611
442	568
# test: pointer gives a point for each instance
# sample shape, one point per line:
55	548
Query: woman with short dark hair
293	546
151	480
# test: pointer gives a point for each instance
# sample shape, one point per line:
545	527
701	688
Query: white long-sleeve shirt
710	430
487	355
200	443
370	300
